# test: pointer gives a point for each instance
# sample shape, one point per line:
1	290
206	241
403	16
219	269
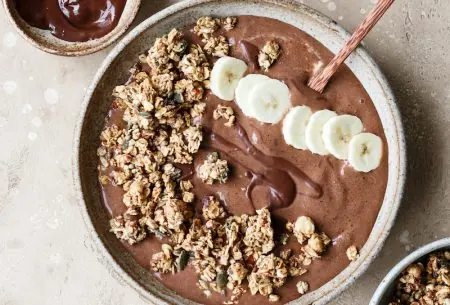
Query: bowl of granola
422	277
208	172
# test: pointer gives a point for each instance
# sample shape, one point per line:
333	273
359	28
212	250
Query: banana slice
314	129
225	75
269	101
244	88
337	133
365	151
294	126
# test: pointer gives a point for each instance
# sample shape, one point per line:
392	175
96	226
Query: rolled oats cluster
161	106
314	243
268	54
226	113
159	109
213	169
215	45
426	282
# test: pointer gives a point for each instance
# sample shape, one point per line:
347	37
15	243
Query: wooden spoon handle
320	80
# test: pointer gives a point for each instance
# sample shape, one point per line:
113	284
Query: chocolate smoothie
266	172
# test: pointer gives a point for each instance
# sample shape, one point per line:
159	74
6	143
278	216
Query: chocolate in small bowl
70	30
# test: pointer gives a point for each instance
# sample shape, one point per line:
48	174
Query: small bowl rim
82	50
398	268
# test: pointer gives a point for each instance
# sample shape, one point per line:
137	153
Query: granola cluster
159	109
268	54
226	113
313	243
425	283
213	169
215	45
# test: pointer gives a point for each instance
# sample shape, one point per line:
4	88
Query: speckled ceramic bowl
114	70
45	41
386	288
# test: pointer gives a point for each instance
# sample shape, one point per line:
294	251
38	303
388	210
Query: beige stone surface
46	256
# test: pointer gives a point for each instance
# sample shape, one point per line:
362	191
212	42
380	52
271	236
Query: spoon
320	80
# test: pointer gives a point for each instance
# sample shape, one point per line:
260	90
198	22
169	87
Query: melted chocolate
280	176
79	20
250	53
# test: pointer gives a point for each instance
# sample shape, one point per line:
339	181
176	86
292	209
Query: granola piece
164	83
303	228
193	136
127	227
166	52
212	209
225	112
352	253
213	169
229	23
236	273
316	245
259	234
294	264
163	261
195	65
206	26
269	272
216	46
302	287
268	54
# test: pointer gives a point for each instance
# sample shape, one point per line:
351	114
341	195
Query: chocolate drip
281	187
283	179
79	20
250	53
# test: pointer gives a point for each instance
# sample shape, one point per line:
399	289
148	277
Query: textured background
45	253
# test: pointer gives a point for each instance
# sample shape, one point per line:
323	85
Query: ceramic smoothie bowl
115	70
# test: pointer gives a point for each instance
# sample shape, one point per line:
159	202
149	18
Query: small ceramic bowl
387	286
114	70
42	39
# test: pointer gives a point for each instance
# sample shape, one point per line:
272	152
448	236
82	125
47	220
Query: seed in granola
182	260
213	169
302	287
352	253
268	54
222	279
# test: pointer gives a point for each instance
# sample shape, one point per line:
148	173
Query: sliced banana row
325	132
322	132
